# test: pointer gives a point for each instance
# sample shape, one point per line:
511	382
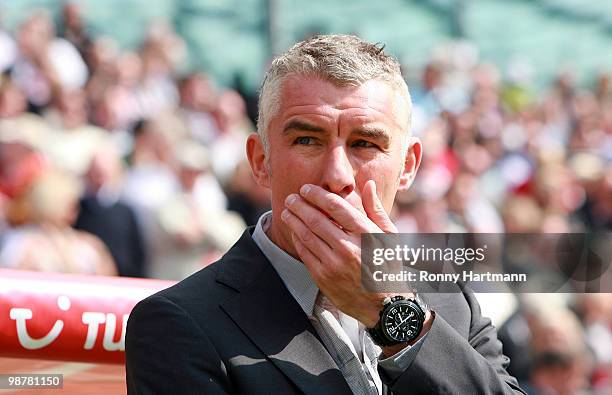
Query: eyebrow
302	126
373	133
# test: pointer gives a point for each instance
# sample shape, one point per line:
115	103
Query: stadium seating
230	37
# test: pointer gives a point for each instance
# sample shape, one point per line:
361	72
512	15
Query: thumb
375	210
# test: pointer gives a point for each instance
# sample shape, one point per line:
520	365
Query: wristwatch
401	321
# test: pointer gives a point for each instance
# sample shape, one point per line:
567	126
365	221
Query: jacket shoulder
199	289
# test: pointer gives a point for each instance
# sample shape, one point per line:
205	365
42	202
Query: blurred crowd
499	157
112	162
117	162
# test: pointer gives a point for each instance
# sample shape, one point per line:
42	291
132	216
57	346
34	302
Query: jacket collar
267	313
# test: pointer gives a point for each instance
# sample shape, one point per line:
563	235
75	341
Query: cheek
386	176
287	175
287	168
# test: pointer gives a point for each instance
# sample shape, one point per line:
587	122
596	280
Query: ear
411	163
257	159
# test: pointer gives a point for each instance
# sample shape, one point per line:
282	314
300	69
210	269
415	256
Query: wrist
370	313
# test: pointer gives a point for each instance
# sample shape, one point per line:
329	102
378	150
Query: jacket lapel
274	322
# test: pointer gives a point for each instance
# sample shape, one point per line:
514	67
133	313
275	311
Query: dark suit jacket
233	327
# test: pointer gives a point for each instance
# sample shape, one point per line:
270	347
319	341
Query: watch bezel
414	306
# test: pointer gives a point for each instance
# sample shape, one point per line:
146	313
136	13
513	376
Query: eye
364	144
304	140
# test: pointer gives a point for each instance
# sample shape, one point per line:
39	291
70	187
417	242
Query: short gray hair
341	59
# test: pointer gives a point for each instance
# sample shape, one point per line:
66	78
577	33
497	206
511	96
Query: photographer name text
466	276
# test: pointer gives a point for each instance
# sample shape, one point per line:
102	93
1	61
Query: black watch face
402	322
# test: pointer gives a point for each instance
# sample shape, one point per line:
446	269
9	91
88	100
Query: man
283	311
104	214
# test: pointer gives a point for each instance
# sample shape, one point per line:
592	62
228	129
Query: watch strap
379	338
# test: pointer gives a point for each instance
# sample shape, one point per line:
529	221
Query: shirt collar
292	272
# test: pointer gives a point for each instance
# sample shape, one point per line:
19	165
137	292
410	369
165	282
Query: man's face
337	138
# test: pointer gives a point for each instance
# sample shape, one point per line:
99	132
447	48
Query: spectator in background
8	49
46	63
561	363
16	124
160	54
74	138
198	100
595	313
234	127
547	344
20	165
46	242
194	221
150	181
103	214
596	178
12	100
558	373
245	196
73	28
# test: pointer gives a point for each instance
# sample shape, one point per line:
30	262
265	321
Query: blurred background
122	130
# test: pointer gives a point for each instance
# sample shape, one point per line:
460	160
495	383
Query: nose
338	174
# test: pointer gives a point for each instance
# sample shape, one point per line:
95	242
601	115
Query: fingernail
305	189
285	214
290	199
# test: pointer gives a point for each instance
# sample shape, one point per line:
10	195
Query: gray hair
341	59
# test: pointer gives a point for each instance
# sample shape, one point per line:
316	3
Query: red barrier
66	316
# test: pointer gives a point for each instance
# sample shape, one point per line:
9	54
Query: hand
326	232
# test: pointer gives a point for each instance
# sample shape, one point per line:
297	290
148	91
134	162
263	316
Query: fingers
310	260
319	234
374	208
314	220
347	216
337	208
305	235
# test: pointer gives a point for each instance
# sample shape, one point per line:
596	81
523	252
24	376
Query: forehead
310	95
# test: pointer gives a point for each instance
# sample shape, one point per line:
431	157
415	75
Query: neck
280	235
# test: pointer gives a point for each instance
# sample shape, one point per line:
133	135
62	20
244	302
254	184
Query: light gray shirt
304	290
